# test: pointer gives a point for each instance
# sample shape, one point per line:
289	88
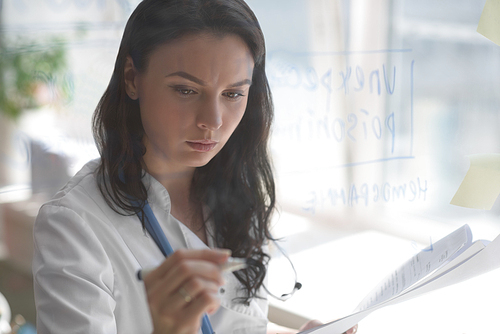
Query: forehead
206	56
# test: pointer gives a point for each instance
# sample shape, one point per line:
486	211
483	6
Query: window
378	105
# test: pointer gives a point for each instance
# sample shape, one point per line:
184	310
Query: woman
182	129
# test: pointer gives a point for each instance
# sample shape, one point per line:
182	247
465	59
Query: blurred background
378	105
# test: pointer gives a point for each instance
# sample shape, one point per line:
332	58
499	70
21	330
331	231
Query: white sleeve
73	277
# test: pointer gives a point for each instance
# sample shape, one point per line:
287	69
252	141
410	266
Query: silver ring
187	297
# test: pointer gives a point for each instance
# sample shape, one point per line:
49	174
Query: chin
200	162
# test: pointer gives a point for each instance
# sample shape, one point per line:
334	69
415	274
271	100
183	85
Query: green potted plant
31	75
25	69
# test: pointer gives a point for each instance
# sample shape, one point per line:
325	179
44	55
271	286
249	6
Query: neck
178	184
175	183
174	179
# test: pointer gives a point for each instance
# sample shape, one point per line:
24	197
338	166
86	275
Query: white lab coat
87	256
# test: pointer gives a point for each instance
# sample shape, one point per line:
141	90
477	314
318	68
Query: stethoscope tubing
154	229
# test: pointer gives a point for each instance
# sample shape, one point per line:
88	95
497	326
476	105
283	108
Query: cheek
164	115
233	119
238	112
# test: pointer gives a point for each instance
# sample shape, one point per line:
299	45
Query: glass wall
378	104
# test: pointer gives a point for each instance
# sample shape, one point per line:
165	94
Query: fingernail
225	251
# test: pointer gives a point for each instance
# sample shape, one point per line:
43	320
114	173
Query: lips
202	145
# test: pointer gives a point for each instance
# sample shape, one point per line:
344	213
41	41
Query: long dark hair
237	185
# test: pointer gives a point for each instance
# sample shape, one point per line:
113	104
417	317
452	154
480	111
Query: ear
131	77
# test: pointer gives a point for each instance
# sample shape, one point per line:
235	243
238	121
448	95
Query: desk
10	194
337	275
17	287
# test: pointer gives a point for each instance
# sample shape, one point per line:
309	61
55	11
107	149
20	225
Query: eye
233	95
184	91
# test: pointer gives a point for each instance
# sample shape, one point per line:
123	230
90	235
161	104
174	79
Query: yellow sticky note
489	23
481	185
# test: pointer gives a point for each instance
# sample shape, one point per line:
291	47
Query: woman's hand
183	288
352	330
315	323
275	329
310	324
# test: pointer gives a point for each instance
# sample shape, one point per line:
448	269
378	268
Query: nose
210	116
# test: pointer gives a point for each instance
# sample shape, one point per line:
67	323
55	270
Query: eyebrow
187	76
241	83
194	79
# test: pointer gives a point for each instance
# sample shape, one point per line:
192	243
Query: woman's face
192	95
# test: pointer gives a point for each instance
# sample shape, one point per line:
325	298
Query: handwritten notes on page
419	266
457	265
481	185
489	23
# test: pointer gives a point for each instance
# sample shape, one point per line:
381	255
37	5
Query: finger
196	286
166	277
204	303
191	268
311	324
187	293
352	330
217	256
186	307
179	275
163	293
194	310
